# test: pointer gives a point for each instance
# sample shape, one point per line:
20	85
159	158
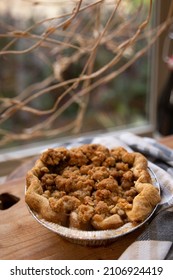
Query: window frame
159	69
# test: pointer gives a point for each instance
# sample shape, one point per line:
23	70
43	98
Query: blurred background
70	68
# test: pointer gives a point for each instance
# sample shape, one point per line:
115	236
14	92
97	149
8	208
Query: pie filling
91	187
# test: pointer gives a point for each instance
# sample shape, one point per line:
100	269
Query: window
74	71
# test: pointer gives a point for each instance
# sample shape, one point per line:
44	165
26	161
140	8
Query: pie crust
91	187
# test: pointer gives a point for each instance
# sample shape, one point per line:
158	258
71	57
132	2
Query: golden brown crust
91	187
143	203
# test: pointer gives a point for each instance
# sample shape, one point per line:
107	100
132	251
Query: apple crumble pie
91	187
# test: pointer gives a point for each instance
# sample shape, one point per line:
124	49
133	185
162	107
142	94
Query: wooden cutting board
21	237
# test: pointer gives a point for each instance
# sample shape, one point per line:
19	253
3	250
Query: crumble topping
91	187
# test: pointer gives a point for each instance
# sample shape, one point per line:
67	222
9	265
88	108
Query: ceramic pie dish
103	226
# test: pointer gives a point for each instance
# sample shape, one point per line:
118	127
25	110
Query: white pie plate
95	238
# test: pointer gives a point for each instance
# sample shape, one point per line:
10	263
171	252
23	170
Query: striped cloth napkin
156	242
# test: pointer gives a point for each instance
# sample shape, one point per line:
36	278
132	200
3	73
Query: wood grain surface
21	237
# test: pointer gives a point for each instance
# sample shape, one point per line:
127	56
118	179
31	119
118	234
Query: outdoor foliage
84	68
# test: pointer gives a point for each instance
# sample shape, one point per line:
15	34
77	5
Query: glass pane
72	67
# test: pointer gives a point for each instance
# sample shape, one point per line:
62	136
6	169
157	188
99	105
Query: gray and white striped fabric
156	242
